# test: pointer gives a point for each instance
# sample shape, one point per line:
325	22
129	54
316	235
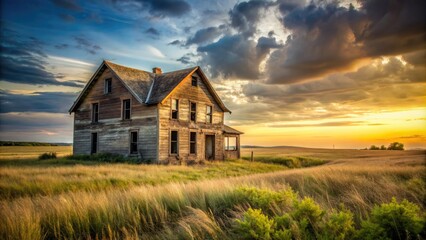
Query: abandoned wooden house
156	116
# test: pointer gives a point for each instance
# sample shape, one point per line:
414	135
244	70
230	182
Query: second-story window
193	114
126	109
108	86
209	113
175	109
95	112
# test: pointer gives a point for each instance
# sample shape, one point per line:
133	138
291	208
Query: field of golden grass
26	152
202	207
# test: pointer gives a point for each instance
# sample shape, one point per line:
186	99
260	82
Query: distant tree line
11	143
392	146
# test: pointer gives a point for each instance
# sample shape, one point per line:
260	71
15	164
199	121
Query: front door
209	147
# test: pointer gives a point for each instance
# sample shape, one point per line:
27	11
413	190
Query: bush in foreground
49	155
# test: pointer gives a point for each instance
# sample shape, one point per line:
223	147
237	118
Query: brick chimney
157	70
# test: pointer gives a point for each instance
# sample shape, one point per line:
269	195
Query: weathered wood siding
113	132
187	93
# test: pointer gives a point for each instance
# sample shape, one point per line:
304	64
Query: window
133	142
108	85
230	143
209	112
194	81
175	109
94	145
95	112
193	143
126	109
193	111
174	142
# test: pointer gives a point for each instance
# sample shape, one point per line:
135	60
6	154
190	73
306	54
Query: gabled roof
146	87
228	129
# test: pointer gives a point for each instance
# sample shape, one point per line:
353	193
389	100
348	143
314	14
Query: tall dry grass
199	209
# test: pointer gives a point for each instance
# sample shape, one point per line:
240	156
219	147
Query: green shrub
255	225
393	221
308	215
339	226
264	198
49	155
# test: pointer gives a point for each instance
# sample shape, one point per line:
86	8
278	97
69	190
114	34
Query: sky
343	74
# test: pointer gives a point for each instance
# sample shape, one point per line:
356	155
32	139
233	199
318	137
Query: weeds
49	155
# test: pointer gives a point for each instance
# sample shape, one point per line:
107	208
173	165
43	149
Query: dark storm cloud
187	59
52	102
175	42
86	44
326	37
205	35
162	8
245	15
67	4
23	61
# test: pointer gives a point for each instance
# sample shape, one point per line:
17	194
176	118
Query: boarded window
133	142
175	109
194	81
174	142
95	112
94	145
230	143
126	109
108	85
193	143
209	113
193	111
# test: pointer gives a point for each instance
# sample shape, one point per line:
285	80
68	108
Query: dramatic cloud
245	16
86	44
152	31
205	35
53	102
23	61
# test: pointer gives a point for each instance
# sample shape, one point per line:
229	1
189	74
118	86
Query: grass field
68	199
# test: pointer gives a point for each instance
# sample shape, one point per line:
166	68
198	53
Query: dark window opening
194	81
175	109
230	143
126	109
174	142
193	143
209	114
133	142
95	112
108	85
94	147
193	111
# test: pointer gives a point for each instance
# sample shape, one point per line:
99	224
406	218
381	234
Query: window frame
177	110
193	142
95	114
108	86
123	109
131	142
172	141
92	150
194	79
209	114
226	141
190	112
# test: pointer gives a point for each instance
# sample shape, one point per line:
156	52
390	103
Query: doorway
210	148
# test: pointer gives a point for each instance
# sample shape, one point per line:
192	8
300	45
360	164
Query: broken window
95	112
108	85
126	109
175	109
194	81
133	142
193	111
209	114
174	142
94	145
193	143
230	143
